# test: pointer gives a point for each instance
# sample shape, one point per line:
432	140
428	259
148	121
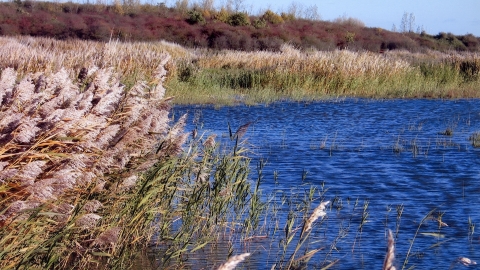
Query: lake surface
371	159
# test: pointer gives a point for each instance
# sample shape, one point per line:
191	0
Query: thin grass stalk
405	262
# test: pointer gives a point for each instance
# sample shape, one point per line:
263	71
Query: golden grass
136	61
61	143
291	60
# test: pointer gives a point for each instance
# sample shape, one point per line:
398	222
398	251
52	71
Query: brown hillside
202	28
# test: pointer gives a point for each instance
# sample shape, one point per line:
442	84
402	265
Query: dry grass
91	168
131	61
233	261
318	212
291	60
390	256
61	142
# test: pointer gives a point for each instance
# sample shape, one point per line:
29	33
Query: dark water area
371	159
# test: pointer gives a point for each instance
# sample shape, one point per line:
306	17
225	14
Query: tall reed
91	171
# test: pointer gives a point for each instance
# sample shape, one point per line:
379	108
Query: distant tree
259	23
208	5
311	13
349	37
221	15
394	28
404	23
182	5
195	16
408	23
295	9
239	19
272	17
411	23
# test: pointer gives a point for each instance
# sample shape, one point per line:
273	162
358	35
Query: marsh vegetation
95	169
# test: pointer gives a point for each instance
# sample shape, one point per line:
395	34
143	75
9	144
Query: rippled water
382	154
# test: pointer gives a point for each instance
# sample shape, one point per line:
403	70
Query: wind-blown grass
92	168
90	172
230	77
295	74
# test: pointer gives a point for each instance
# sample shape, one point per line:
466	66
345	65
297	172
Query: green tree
239	19
272	17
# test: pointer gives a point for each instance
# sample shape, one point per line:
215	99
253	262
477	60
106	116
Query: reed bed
91	171
296	74
131	61
291	60
229	77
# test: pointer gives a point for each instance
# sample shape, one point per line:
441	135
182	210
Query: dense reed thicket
225	77
93	169
296	74
90	171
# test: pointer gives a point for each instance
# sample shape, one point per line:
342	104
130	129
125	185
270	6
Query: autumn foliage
199	27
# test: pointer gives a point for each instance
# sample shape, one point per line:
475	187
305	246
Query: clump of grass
475	139
91	171
231	77
64	146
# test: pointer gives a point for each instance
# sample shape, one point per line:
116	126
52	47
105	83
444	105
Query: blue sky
458	17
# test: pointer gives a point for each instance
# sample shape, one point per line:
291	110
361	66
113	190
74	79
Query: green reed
255	83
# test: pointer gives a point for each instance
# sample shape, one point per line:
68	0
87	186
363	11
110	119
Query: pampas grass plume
390	256
317	213
233	261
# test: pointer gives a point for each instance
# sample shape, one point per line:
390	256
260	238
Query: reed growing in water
229	77
92	168
295	74
90	172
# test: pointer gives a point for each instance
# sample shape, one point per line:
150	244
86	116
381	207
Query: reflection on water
374	159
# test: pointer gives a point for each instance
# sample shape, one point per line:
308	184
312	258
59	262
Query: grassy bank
229	77
295	74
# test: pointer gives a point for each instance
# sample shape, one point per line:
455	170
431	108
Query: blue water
385	154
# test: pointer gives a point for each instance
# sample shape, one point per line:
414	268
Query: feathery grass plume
42	190
108	237
16	208
27	130
159	122
465	261
9	121
108	102
24	92
390	256
30	171
231	263
3	164
130	181
106	136
241	130
100	82
318	212
159	76
7	81
87	221
210	141
63	208
92	206
7	174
